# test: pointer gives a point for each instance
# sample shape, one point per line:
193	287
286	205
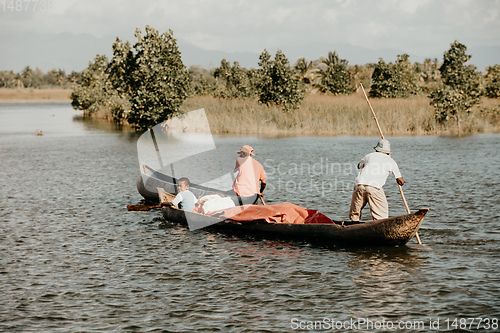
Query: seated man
185	199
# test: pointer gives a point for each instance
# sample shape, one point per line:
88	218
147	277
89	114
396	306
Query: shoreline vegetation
30	95
321	115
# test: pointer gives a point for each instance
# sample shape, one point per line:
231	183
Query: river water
74	260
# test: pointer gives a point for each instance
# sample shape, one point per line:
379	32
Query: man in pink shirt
251	179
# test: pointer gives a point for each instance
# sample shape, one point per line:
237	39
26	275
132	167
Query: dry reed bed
8	95
338	115
320	115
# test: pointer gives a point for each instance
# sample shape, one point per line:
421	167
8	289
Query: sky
414	26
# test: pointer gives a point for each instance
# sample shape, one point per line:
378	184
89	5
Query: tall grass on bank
8	95
340	115
318	114
334	115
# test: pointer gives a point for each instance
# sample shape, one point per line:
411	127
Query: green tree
119	80
75	78
37	78
461	85
492	86
55	77
241	81
6	78
27	76
395	80
120	67
429	70
144	84
17	81
159	81
202	82
96	92
222	75
277	83
335	76
308	73
361	74
91	95
232	81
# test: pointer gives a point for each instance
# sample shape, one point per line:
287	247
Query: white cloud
239	25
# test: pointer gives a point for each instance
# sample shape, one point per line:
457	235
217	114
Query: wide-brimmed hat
246	149
383	146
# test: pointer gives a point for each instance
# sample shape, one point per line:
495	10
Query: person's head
245	151
383	146
183	184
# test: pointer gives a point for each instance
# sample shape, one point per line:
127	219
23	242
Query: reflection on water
73	258
101	125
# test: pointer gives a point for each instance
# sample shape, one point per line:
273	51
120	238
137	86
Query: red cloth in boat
278	213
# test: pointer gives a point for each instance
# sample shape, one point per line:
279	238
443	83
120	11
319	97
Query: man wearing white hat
373	171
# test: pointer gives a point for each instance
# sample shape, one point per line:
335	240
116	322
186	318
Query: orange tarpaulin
278	213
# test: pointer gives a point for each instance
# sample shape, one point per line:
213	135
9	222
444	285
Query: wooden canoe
150	179
393	231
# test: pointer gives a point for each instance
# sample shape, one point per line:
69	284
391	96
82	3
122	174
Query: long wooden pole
382	136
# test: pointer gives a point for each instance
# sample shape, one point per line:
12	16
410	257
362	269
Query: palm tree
333	59
27	76
333	74
307	72
17	82
60	77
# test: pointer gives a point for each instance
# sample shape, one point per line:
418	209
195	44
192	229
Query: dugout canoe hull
394	231
149	179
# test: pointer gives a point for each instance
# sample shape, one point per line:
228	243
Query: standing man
251	179
373	171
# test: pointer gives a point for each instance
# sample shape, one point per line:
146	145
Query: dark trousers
239	201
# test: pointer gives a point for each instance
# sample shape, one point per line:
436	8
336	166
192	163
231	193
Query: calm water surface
74	260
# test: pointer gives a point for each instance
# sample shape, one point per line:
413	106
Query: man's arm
262	186
361	164
177	200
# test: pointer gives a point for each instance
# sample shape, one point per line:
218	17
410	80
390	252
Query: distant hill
74	51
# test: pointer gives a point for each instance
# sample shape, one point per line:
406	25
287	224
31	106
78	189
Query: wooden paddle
382	136
141	207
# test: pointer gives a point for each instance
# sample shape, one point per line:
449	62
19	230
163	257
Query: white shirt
374	169
185	200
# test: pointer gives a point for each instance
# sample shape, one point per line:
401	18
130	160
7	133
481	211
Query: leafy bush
93	92
334	74
159	81
233	81
202	82
277	83
143	84
492	86
462	85
395	80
